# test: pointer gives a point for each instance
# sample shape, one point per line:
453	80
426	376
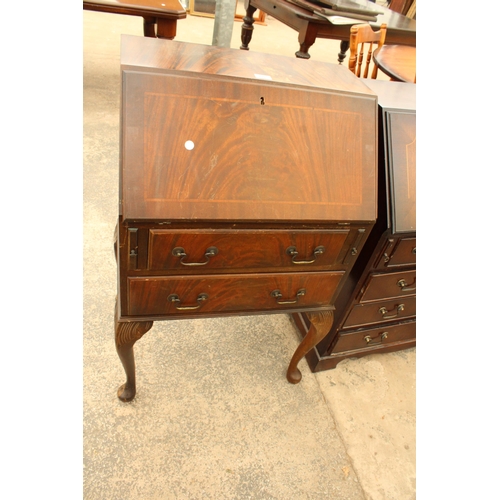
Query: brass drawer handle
293	252
180	252
383	311
404	286
382	337
277	295
175	298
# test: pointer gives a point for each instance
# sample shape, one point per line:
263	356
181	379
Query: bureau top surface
158	54
220	134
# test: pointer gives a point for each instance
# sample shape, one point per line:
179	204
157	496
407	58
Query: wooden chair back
362	34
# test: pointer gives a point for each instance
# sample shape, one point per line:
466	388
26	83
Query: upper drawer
399	252
215	250
177	295
382	286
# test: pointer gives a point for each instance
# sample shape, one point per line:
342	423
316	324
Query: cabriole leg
321	322
126	335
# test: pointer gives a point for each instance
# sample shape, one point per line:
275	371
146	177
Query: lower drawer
179	295
381	286
381	335
381	311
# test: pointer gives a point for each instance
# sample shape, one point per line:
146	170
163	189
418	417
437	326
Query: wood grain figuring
247	186
257	153
245	250
238	292
375	312
203	60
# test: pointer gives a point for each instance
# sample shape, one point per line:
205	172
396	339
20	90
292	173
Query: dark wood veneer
247	186
376	311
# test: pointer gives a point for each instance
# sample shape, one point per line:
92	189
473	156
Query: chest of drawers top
214	134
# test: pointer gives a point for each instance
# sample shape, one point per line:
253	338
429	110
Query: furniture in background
362	34
160	18
405	7
247	186
400	29
376	311
206	8
399	62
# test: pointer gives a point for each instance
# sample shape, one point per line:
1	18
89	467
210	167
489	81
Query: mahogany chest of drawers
376	311
248	185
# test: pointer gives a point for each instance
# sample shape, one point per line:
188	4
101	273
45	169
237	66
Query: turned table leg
344	45
247	27
126	335
307	37
321	322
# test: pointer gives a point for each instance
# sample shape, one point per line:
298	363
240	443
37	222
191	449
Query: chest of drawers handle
277	295
382	337
404	286
383	311
175	298
293	252
180	252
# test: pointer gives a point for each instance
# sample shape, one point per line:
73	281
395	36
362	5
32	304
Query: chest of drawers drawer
210	251
399	252
381	311
381	286
374	337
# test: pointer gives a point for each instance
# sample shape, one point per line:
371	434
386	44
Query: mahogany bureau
248	185
376	311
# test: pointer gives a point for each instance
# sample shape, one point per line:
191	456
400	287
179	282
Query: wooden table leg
321	322
160	28
166	28
247	27
344	46
126	335
149	26
306	38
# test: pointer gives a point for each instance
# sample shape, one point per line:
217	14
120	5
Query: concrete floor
214	417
